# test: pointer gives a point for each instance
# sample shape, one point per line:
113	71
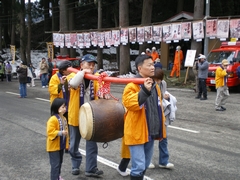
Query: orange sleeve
181	55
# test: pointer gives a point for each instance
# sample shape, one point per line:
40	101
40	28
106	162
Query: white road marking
105	161
41	99
110	163
12	93
183	129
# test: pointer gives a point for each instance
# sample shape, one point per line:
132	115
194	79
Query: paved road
203	144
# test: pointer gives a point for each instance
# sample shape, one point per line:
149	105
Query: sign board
190	57
13	53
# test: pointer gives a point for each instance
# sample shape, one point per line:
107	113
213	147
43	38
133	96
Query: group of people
200	69
149	109
155	56
6	69
26	75
75	90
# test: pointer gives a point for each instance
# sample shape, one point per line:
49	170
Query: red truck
231	52
75	62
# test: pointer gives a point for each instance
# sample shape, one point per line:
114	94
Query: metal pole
206	40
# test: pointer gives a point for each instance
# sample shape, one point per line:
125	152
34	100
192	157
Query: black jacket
22	74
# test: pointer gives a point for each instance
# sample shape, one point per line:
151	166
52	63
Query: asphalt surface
203	144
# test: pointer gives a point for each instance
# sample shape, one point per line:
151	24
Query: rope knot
104	86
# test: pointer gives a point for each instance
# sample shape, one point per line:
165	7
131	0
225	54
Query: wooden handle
110	79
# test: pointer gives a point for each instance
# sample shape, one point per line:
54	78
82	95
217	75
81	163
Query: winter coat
43	67
203	69
8	69
158	65
53	138
22	74
2	68
74	100
170	108
195	68
154	55
178	56
220	75
29	73
135	125
55	87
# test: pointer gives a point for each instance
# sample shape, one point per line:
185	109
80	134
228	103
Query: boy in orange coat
178	58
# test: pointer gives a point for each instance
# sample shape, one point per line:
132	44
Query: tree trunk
99	50
5	21
55	15
180	6
22	32
1	34
72	23
0	28
13	23
47	21
116	25
198	14
29	33
124	53
55	19
64	23
146	19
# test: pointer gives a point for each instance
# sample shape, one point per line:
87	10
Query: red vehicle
75	62
231	52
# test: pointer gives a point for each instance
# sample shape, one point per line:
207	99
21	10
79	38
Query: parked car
231	52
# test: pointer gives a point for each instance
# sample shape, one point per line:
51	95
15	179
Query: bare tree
72	23
47	20
124	67
146	18
22	31
180	6
55	15
0	29
198	14
55	19
99	50
29	22
13	23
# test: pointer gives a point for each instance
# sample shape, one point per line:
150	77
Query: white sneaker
33	85
43	86
151	166
46	85
168	166
122	173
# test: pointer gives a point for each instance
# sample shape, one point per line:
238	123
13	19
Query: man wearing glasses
221	86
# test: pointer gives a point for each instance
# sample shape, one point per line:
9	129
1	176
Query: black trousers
1	77
202	87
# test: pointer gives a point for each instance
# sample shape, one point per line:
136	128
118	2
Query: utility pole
206	40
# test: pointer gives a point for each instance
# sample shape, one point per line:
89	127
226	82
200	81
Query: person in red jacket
178	58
